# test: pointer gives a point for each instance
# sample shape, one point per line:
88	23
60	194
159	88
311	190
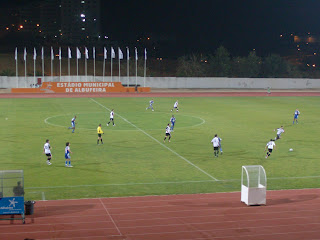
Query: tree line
221	64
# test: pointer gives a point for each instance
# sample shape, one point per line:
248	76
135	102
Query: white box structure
253	185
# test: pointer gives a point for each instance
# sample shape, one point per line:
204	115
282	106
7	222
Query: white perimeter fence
174	82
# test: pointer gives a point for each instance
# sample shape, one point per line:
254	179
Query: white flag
86	53
52	55
34	54
145	54
42	53
78	53
94	52
128	55
105	53
120	53
16	54
25	54
136	52
59	53
69	52
113	54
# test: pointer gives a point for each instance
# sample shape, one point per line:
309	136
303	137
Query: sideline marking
90	129
177	154
159	183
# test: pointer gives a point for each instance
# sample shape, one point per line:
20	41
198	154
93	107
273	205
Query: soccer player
216	144
99	131
220	147
296	115
150	105
173	121
111	118
279	131
67	153
175	106
73	124
168	133
47	151
270	146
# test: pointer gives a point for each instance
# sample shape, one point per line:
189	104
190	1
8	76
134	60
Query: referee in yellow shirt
99	131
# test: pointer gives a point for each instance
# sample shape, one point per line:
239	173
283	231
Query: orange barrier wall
79	87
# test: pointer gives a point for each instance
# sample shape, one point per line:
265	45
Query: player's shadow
296	199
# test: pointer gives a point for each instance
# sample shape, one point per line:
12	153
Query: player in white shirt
111	118
150	105
175	106
168	133
216	144
67	153
73	124
270	146
47	151
279	131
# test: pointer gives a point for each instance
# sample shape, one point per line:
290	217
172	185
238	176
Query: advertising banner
11	205
78	87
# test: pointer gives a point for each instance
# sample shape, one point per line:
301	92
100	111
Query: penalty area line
145	133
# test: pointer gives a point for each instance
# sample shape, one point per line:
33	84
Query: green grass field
135	161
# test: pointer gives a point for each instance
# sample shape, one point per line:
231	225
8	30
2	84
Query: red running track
289	214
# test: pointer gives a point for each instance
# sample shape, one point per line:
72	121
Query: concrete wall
173	82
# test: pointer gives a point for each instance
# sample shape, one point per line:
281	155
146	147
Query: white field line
160	183
110	217
177	154
46	121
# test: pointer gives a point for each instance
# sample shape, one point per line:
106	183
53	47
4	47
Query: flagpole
42	57
94	63
111	66
34	66
69	56
145	67
25	67
77	70
136	52
52	64
60	63
16	58
127	67
119	63
104	66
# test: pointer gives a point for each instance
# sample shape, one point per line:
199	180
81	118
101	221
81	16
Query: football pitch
135	161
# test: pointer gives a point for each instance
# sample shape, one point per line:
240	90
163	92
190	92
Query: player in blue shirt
296	115
220	147
67	153
73	124
173	121
150	105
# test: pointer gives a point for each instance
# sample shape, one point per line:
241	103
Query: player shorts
99	135
278	136
296	116
67	156
111	119
270	150
73	124
48	154
216	148
168	134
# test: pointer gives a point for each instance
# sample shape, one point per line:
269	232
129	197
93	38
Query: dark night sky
203	25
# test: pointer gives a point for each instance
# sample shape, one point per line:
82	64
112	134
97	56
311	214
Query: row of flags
78	53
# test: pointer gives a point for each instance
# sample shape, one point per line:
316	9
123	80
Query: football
290	149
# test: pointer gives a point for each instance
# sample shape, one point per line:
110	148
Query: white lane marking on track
177	154
110	217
